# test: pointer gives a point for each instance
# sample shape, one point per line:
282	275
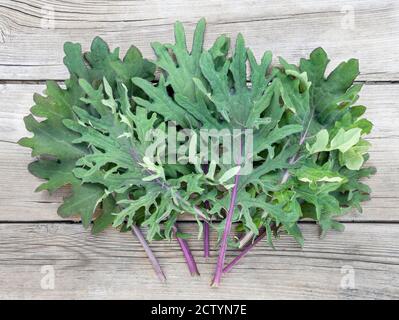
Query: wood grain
113	266
18	202
32	32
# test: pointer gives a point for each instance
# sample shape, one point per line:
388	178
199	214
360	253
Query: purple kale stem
227	228
205	168
155	264
192	266
206	240
226	233
244	252
183	244
206	234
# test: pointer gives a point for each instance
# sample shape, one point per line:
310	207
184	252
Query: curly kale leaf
117	137
186	106
326	181
210	90
53	143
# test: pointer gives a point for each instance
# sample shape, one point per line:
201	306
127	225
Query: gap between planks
287	30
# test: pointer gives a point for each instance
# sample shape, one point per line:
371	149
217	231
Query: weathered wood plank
18	202
113	266
33	32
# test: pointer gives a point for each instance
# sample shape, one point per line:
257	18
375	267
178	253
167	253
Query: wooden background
112	265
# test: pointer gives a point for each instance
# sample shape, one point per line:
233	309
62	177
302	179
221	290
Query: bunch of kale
306	149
